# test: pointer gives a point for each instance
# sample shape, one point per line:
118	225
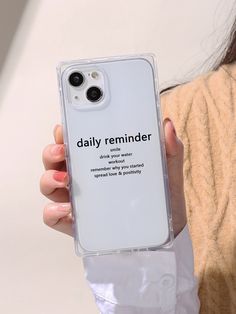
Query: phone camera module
94	94
76	79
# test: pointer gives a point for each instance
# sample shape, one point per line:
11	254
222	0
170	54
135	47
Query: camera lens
94	93
76	79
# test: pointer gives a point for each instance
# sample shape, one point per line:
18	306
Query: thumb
174	154
174	147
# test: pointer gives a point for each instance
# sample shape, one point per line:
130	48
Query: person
202	179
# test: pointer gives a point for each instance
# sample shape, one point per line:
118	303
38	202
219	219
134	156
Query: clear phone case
116	158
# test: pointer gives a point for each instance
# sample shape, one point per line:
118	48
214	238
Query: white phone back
117	208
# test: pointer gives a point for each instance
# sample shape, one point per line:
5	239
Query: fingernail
57	150
60	176
65	207
55	132
55	128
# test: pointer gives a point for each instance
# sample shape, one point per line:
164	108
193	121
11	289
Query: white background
39	272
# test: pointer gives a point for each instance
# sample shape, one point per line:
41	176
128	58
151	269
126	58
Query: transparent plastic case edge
151	58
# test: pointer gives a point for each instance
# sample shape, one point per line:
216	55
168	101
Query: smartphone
116	158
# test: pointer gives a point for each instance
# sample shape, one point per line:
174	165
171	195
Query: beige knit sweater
204	113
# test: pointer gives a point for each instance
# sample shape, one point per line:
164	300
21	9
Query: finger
53	185
174	147
58	136
58	216
174	153
54	157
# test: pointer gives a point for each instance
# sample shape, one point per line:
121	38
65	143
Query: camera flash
94	75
